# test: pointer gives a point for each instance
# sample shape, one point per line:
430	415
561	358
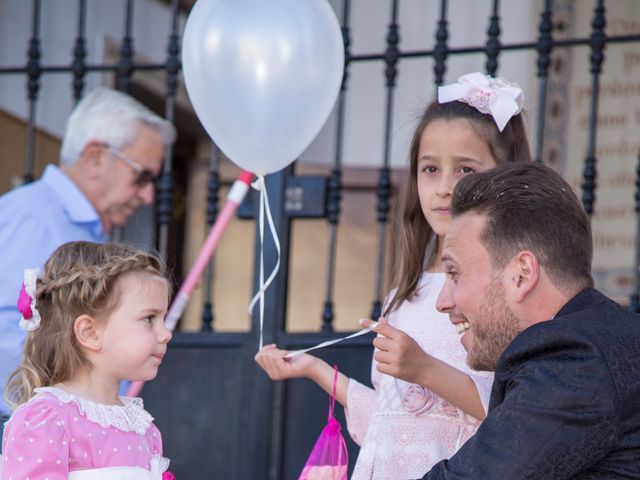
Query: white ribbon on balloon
260	186
493	96
265	211
328	343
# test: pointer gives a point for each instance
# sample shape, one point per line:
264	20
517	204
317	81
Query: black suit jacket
565	402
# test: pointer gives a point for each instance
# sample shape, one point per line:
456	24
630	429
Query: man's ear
92	158
87	332
524	273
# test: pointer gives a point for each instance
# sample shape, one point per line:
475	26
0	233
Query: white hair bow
494	96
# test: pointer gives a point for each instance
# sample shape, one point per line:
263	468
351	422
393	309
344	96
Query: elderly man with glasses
112	151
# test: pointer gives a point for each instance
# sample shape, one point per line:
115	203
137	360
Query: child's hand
399	355
272	361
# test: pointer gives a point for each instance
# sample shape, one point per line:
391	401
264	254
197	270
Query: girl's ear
525	273
85	328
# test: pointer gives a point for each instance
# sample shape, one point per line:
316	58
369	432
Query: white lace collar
129	417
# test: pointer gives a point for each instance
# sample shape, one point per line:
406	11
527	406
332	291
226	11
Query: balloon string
259	185
328	343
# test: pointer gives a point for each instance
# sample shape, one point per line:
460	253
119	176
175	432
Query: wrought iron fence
78	68
265	431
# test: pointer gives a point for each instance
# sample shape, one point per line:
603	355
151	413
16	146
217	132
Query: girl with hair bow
425	402
95	317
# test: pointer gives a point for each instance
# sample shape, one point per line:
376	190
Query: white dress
404	439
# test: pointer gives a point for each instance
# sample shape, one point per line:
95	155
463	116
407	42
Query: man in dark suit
565	402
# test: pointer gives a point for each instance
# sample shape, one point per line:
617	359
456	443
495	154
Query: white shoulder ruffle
129	417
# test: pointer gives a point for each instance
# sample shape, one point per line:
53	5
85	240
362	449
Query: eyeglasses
144	177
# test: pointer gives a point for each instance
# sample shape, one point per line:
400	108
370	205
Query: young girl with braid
95	316
426	401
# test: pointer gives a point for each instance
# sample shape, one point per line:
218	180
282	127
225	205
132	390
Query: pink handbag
329	459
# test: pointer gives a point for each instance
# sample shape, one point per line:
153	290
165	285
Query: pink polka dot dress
59	436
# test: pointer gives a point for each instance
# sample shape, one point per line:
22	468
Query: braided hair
79	278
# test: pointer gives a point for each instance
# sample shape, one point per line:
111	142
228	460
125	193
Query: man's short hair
112	117
529	206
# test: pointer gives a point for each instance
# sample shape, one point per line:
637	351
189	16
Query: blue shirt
34	220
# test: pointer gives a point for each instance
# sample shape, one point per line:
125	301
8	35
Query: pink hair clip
30	319
493	96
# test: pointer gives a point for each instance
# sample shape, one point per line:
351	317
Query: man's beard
494	331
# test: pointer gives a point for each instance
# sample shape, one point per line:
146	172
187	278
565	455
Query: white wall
105	23
364	119
366	99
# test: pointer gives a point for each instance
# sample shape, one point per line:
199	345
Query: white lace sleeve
361	403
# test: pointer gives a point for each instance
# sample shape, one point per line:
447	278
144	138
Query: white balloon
262	76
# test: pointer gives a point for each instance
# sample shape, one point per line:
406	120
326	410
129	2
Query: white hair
112	117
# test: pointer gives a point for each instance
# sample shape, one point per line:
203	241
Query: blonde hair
79	278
